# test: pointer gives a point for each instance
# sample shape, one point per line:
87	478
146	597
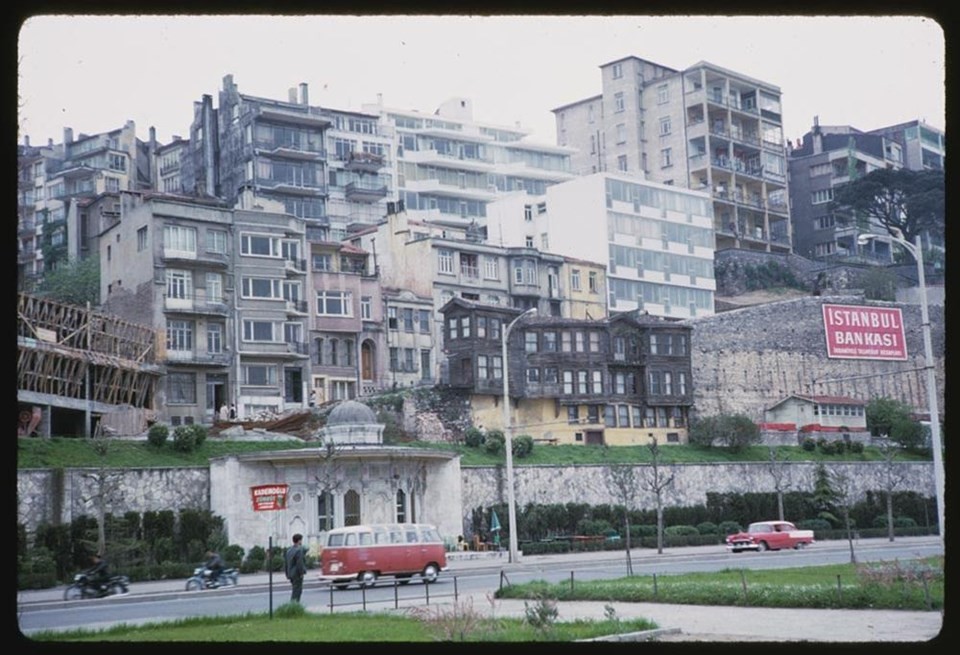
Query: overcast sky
93	73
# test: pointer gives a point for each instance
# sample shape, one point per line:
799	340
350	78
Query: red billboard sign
268	497
861	332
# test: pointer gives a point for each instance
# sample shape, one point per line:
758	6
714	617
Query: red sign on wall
268	497
861	332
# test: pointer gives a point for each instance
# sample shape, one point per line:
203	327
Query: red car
769	535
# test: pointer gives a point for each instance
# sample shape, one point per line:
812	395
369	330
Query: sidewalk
677	622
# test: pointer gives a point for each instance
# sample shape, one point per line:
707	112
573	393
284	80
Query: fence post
426	588
363	595
456	595
654	586
743	583
571	582
839	598
396	598
331	598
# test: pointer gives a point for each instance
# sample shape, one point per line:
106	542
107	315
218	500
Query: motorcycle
84	587
201	579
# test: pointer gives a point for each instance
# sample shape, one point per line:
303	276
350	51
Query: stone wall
746	360
44	496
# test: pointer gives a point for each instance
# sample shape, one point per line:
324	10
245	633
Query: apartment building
441	263
270	308
831	155
52	178
704	128
346	330
411	352
656	239
449	167
168	263
625	380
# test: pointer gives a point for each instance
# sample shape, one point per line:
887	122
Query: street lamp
508	436
917	251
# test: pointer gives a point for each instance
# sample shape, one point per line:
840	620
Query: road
476	579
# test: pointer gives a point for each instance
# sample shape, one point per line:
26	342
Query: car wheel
762	546
800	545
430	573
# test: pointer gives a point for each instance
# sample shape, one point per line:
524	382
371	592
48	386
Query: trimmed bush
199	434
808	444
522	445
474	437
856	447
184	439
681	530
730	527
157	435
707	528
494	442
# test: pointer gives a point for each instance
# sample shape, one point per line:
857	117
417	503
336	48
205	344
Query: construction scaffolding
79	360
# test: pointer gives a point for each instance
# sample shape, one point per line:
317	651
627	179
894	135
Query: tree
842	486
735	432
893	418
909	201
105	491
889	476
780	473
622	483
76	282
656	479
879	284
824	496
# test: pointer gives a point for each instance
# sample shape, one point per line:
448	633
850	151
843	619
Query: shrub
184	439
473	437
827	447
839	446
808	444
817	525
855	447
522	445
707	528
494	442
681	530
730	527
199	434
157	435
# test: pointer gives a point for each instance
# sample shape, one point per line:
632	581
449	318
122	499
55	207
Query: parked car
769	535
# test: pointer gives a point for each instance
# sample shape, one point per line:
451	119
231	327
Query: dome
351	412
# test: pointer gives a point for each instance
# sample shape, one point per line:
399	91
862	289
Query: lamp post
508	436
917	251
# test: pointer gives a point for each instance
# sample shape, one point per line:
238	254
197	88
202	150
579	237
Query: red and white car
769	535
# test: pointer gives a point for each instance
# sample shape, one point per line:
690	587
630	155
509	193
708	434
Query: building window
610	416
568	383
334	303
622	163
180	335
482	367
592	282
325	511
465	327
181	388
527	213
401	507
593	413
217	241
423	320
142	239
469	266
445	261
258	331
452	331
491	270
654	383
322	262
181	239
392	322
530	341
407	314
573	414
549	342
366	308
550	375
682	384
594	342
575	280
179	284
260	375
596	382
621	133
821	196
668	383
666	158
259	245
528	242
351	508
618	103
251	287
533	375
214	338
663	94
566	341
617	71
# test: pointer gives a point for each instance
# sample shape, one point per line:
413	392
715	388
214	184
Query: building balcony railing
364	161
280	349
197	302
365	191
197	358
297	308
305	151
778	207
298	348
215	259
295	266
292	186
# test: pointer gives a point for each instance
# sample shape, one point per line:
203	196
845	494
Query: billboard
268	497
861	332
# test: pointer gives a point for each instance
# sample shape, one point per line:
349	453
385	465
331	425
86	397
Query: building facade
620	381
704	128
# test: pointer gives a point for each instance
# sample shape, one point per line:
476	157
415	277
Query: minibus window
366	538
430	535
396	537
380	536
352	539
335	540
412	536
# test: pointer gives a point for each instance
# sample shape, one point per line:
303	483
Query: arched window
351	508
401	506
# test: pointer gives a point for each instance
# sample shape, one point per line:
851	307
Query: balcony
306	151
276	349
364	162
197	302
365	191
289	115
297	308
295	266
302	187
197	358
193	258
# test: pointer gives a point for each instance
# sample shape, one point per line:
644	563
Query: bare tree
329	474
889	475
655	479
780	472
621	481
105	488
842	486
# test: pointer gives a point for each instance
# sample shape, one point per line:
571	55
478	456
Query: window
111	184
582	382
596	382
214	287
575	280
617	71
663	94
668	383
214	338
179	284
217	241
465	327
550	375
325	511
528	242
527	213
610	416
322	262
821	196
366	308
654	345
592	282
490	269
180	335
445	261
594	341
407	314
665	126
530	342
618	103
495	329
116	162
573	414
549	340
566	341
593	413
621	133
142	239
452	331
253	287
654	383
181	239
533	375
426	368
260	375
666	158
392	322
469	266
334	303
258	331
579	342
622	163
259	245
423	320
568	383
181	388
482	367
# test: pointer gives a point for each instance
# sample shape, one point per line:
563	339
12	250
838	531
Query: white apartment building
450	167
657	239
704	128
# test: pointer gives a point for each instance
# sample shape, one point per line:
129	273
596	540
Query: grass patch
915	585
66	452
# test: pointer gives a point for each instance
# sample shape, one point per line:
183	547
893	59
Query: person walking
296	566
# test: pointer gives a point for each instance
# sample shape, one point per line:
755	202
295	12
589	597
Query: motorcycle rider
215	566
99	573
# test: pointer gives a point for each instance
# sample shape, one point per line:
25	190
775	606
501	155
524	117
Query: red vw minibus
363	553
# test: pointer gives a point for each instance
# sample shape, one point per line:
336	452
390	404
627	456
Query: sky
864	71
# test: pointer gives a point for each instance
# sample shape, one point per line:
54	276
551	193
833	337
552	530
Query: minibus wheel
430	573
368	578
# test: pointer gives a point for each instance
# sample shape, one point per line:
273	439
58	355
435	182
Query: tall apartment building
442	263
324	166
54	178
621	381
703	127
657	239
449	167
169	264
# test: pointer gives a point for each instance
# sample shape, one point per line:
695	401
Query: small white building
349	478
817	414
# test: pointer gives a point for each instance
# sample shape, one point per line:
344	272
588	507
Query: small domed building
348	478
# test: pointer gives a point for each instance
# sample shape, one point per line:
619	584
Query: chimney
153	137
26	140
49	142
292	95
304	98
67	135
817	136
